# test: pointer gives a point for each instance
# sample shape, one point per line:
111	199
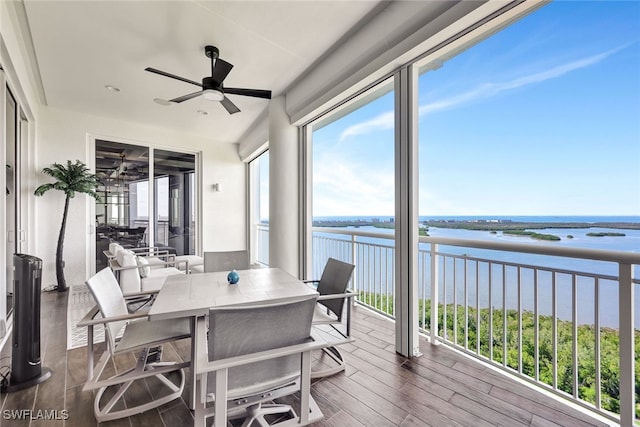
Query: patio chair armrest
348	294
92	320
117	267
91	314
150	250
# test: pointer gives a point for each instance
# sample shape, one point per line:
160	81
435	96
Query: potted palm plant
70	179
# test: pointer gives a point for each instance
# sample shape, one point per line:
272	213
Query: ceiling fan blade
186	97
257	93
229	106
172	76
220	71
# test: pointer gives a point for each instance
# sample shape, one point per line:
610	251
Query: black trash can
26	368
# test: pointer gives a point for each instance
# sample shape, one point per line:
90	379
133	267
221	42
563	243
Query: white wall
62	135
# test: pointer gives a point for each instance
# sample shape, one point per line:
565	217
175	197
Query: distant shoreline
516	225
514	228
482	225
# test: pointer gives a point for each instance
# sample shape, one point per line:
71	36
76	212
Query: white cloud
385	121
489	90
342	188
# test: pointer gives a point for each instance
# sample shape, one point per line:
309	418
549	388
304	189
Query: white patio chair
155	257
139	334
136	275
256	354
332	288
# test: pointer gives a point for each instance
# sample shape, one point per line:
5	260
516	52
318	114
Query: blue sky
542	118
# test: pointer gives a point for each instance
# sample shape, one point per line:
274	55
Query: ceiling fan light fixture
162	102
213	95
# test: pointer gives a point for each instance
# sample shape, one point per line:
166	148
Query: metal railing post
627	372
354	278
434	294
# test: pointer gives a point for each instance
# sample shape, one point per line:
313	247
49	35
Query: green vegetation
609	346
510	227
531	234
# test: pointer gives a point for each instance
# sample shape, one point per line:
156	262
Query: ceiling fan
212	88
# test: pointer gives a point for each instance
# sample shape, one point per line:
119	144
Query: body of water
608	301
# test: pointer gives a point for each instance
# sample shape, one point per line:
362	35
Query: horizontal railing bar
350	242
340	230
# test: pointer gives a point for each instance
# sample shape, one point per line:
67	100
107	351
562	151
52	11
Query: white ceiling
81	46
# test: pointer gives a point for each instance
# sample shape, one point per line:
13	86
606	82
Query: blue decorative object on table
233	277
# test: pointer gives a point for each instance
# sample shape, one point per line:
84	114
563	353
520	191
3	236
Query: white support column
406	200
284	230
626	298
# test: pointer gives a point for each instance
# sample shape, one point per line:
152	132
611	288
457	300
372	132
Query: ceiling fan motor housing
211	52
210	83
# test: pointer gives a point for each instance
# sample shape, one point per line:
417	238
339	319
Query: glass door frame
91	206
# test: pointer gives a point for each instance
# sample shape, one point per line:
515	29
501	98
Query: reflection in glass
174	210
122	215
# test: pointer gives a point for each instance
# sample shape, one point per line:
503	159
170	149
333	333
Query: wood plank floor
379	387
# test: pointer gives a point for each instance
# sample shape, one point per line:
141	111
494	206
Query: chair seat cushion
156	262
192	259
151	332
157	277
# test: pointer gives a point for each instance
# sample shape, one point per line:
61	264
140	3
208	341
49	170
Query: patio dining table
192	295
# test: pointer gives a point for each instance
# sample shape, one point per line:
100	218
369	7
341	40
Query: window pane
122	215
259	171
533	130
174	207
353	189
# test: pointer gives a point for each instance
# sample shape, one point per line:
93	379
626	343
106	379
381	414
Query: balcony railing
560	318
262	243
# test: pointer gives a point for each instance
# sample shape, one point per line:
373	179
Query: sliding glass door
137	214
122	215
